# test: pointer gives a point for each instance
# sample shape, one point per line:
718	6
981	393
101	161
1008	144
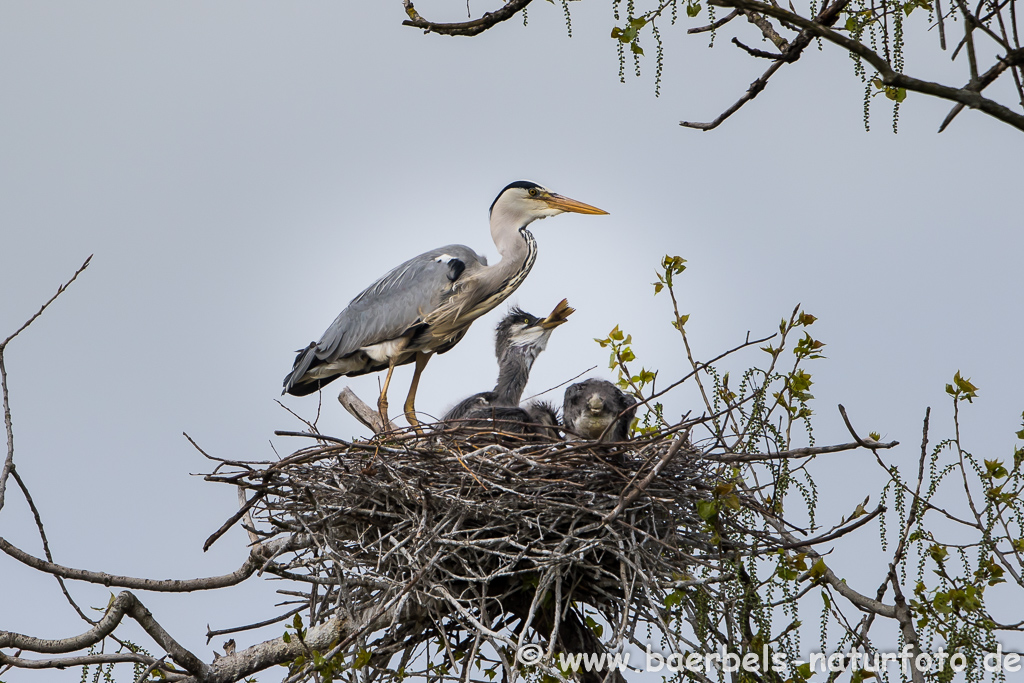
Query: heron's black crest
517	315
525	184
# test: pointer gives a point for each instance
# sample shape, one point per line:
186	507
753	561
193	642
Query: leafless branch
8	423
124	604
716	24
465	28
256	560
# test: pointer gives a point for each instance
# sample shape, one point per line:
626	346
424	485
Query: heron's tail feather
296	383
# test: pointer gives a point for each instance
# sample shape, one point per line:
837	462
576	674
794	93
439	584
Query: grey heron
425	305
519	339
591	406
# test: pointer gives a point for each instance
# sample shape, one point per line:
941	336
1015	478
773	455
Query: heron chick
425	305
591	406
519	339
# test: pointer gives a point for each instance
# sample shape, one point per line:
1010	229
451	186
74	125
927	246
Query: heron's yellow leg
382	402
410	401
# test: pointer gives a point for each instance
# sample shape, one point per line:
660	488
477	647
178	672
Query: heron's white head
523	202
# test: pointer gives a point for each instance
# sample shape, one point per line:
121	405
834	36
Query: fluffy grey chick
592	405
519	339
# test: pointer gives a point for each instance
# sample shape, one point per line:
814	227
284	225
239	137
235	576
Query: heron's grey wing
468	405
390	306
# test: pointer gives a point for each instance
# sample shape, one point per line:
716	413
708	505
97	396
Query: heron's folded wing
390	306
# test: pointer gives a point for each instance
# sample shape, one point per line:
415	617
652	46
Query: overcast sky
242	169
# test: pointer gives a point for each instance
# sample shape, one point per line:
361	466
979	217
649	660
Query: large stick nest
437	539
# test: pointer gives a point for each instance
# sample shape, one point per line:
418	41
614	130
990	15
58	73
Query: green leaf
819	569
673	598
995	468
636	49
362	659
938	553
693	10
287	637
707	508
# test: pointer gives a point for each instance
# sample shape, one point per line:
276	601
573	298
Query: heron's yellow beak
557	201
560	314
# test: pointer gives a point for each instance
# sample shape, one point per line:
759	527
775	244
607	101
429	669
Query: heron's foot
410	415
382	408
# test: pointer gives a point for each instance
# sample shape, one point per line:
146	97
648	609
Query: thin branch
716	24
465	28
211	634
800	452
838	533
888	75
242	510
256	560
46	544
8	423
85	660
1014	58
754	52
790	53
60	290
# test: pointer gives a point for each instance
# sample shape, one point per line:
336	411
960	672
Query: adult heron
592	405
519	339
425	305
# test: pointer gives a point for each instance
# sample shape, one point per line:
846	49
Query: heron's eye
533	191
526	321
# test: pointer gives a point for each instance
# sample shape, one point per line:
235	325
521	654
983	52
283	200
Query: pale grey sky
242	169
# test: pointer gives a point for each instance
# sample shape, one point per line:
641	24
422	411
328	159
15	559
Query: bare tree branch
9	461
84	660
124	603
1015	58
257	558
46	544
719	23
465	28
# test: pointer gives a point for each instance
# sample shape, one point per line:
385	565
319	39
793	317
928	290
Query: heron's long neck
518	251
513	375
